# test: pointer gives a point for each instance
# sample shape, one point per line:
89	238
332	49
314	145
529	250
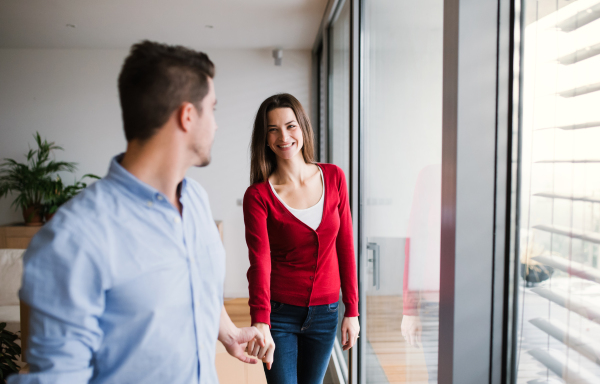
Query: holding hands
235	339
238	340
265	350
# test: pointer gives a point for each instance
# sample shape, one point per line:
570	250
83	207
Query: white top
310	216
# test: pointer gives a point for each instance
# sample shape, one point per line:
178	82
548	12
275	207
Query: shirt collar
138	188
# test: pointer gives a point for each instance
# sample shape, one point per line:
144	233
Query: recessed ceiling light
71	25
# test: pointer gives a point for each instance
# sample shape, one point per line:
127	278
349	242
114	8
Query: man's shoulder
93	208
196	189
97	199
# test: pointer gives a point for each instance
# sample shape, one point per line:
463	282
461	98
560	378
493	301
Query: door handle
376	263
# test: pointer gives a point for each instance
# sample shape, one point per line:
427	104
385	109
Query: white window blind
559	327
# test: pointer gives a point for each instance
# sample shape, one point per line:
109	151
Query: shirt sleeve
259	252
345	251
64	285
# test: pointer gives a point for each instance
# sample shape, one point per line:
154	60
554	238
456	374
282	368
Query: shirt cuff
260	316
351	309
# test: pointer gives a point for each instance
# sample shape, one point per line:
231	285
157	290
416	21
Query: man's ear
185	116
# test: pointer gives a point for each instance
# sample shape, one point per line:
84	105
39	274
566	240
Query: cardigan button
314	267
311	277
316	254
307	302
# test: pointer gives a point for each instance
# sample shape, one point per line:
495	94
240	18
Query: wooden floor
230	369
391	359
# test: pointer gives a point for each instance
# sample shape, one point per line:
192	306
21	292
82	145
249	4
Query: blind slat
591	237
571	267
578	306
559	364
562	333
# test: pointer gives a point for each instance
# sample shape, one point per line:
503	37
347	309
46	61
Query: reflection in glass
401	219
559	295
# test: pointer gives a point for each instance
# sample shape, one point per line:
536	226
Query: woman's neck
293	170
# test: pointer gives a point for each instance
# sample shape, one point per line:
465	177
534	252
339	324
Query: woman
299	236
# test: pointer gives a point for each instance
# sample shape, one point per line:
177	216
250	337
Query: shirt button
149	203
176	220
159	197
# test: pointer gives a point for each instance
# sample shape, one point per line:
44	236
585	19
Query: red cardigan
290	262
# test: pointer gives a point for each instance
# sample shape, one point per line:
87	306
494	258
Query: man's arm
64	286
235	339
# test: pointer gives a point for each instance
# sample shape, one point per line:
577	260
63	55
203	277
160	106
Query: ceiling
107	24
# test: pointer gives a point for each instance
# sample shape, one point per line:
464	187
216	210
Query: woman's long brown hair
263	161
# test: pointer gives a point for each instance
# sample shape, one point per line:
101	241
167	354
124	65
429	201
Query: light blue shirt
123	289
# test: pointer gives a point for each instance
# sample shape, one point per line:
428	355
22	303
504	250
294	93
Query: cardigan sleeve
259	252
345	251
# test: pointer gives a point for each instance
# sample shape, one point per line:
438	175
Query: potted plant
9	351
31	180
58	193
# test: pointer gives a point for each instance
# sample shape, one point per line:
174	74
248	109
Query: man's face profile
205	126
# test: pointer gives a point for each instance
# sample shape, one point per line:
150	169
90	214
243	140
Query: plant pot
48	216
33	216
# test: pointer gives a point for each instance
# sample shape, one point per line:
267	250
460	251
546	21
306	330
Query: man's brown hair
155	80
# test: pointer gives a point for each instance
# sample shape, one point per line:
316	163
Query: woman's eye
291	126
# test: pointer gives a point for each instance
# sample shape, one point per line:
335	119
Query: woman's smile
285	147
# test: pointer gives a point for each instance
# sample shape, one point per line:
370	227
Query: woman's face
284	135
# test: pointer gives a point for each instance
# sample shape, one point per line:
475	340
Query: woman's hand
411	329
350	330
264	353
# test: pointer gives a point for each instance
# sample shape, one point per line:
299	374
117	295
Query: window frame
488	34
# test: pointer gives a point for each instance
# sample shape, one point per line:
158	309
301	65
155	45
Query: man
125	283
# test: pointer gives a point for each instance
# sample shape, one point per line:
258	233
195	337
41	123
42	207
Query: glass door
339	120
401	190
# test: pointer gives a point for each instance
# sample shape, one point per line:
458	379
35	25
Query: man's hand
350	330
237	342
266	350
235	339
411	329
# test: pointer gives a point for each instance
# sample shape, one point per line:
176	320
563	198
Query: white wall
70	97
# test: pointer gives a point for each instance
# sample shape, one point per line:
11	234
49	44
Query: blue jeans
304	338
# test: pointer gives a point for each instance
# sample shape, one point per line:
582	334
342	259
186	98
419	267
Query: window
559	229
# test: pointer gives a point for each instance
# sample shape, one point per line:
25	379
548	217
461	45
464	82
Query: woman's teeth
286	146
